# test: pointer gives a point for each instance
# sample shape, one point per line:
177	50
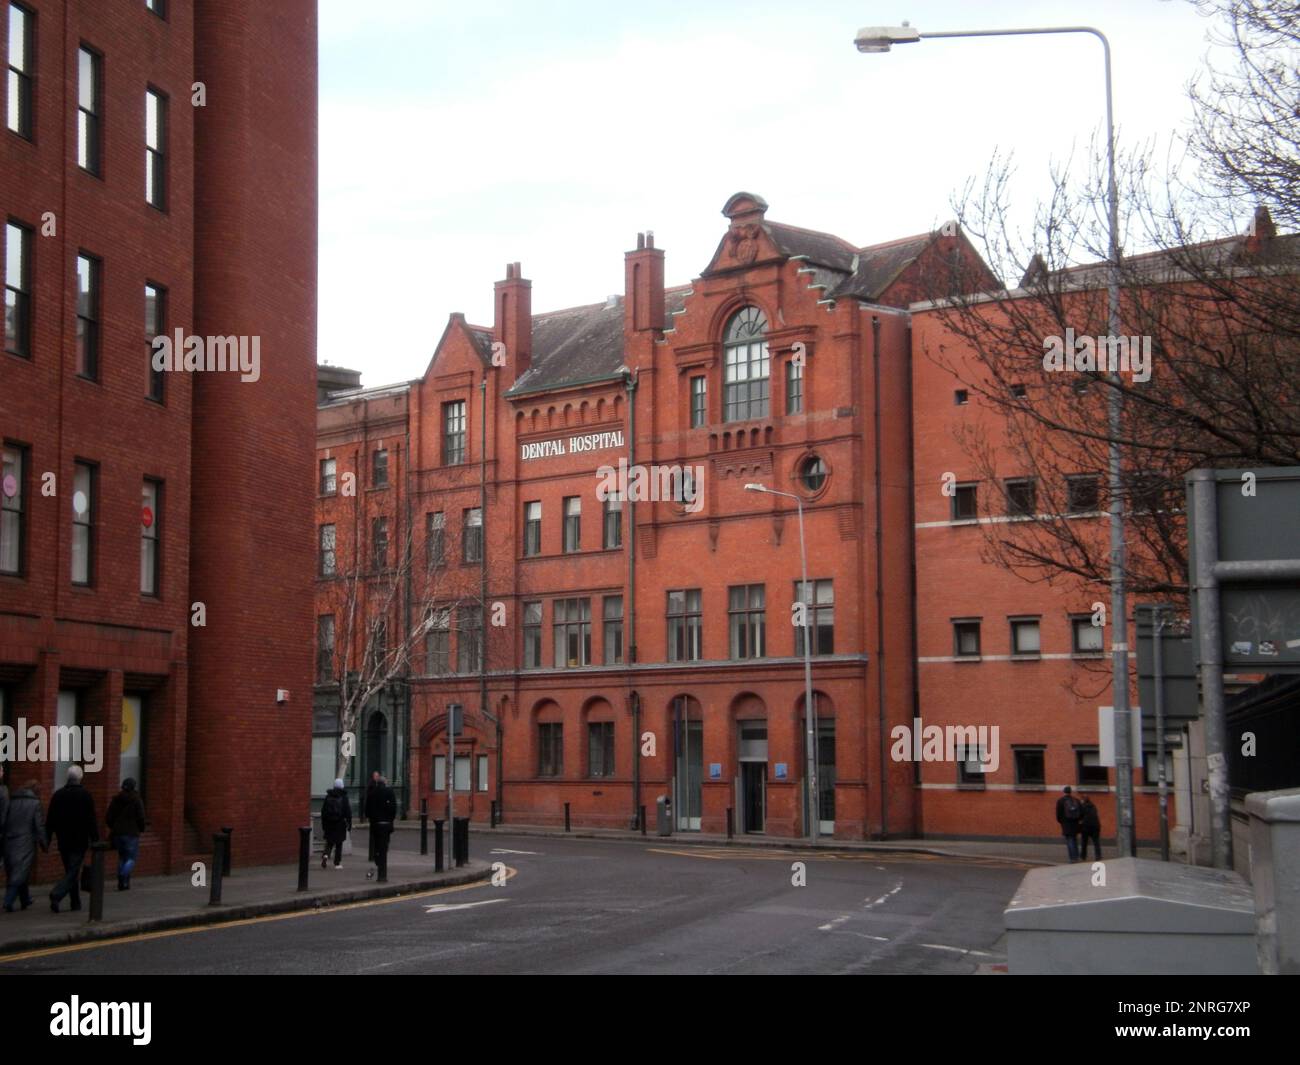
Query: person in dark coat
23	832
1089	829
1068	811
335	823
4	800
365	812
382	812
72	818
126	821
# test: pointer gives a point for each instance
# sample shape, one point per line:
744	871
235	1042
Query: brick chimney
513	320
1260	231
643	302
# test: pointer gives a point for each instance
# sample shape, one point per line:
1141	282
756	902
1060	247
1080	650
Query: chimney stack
643	303
513	320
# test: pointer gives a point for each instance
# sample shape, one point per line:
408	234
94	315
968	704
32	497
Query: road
597	906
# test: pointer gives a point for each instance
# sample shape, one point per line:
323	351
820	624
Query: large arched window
745	366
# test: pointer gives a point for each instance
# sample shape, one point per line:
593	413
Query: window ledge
1037	657
1088	656
968	658
1031	787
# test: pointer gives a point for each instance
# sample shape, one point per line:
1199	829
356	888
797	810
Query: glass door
688	785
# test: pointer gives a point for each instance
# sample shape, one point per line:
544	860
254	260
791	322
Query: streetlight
881	39
810	744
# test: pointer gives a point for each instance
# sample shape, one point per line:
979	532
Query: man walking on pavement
382	812
1089	829
1068	812
72	818
365	812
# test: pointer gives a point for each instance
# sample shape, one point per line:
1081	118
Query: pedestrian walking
1089	829
335	823
23	832
72	818
365	812
4	800
1068	811
382	812
126	822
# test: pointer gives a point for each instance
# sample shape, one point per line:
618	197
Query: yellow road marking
165	933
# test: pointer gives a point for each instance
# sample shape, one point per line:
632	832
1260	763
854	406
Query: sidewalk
157	903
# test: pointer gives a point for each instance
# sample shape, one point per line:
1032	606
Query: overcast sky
455	138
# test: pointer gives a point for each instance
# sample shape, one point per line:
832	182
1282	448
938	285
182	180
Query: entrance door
753	775
688	789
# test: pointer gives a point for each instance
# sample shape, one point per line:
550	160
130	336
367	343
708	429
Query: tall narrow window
613	617
550	749
699	402
88	110
150	536
748	615
328	558
819	601
469	620
572	632
379	468
325	649
21	23
379	542
437	642
472	534
600	749
155	149
453	433
155	325
684	625
746	367
572	523
13	485
533	528
18	289
532	635
435	541
88	317
794	387
613	522
328	476
83	523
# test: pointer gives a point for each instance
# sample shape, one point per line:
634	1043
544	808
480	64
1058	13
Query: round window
813	473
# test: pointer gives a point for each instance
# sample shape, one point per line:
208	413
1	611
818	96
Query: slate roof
848	271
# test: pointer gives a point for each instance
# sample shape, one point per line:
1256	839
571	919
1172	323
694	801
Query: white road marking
961	950
885	897
443	907
830	926
838	920
502	850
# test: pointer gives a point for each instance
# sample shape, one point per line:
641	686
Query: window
472	534
155	325
532	635
1082	493
821	615
572	523
971	762
600	749
613	612
150	536
469	640
482	772
21	24
88	316
328	476
327	555
748	614
745	366
435	543
966	639
453	433
1087	637
88	103
134	729
1030	765
684	625
964	503
379	542
1021	498
379	468
1024	636
533	528
155	149
325	649
158	7
572	626
1080	385
813	473
550	749
83	523
613	522
699	402
18	289
13	485
960	397
439	772
1146	493
1089	770
437	642
462	772
378	648
1018	391
794	387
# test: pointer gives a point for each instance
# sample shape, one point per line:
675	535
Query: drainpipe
482	580
629	506
880	574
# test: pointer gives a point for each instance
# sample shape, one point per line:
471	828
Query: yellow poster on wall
132	707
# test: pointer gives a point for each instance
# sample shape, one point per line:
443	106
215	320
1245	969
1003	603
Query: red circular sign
146	517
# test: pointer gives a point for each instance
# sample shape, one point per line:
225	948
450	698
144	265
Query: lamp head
882	38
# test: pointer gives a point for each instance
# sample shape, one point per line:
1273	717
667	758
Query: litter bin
664	810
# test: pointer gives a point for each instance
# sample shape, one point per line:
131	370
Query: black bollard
731	820
492	822
304	856
424	832
97	880
566	817
437	845
460	841
219	840
225	859
641	818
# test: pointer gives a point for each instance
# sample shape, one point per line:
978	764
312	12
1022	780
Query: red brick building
158	173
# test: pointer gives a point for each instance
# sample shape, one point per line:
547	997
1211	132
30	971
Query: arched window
376	749
745	366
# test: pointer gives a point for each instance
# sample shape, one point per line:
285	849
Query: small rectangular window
1025	636
439	772
1089	770
1030	765
88	316
699	402
1087	637
964	503
960	397
572	523
613	617
1018	391
328	560
155	325
1022	499
482	772
83	523
1082	493
379	468
453	433
18	289
13	492
472	534
972	763
966	639
532	528
150	537
88	110
613	522
155	149
21	56
794	387
328	476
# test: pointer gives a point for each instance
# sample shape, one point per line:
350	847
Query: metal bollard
566	817
460	841
437	845
97	880
492	822
225	861
641	816
304	856
731	822
219	840
424	832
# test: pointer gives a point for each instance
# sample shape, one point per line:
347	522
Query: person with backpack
72	818
382	813
1068	812
365	812
23	832
335	823
126	823
1089	829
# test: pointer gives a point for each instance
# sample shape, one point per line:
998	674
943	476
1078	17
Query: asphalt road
595	906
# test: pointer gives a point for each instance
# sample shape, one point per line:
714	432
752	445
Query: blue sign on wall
780	771
715	770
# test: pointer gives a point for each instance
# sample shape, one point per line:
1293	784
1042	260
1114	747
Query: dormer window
745	366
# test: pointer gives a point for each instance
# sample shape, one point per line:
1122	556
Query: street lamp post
810	743
881	39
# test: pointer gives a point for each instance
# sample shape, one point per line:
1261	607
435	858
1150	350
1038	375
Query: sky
455	138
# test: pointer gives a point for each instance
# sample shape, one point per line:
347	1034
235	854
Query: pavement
158	903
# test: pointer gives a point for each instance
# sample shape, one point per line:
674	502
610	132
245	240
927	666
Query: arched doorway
376	745
750	715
